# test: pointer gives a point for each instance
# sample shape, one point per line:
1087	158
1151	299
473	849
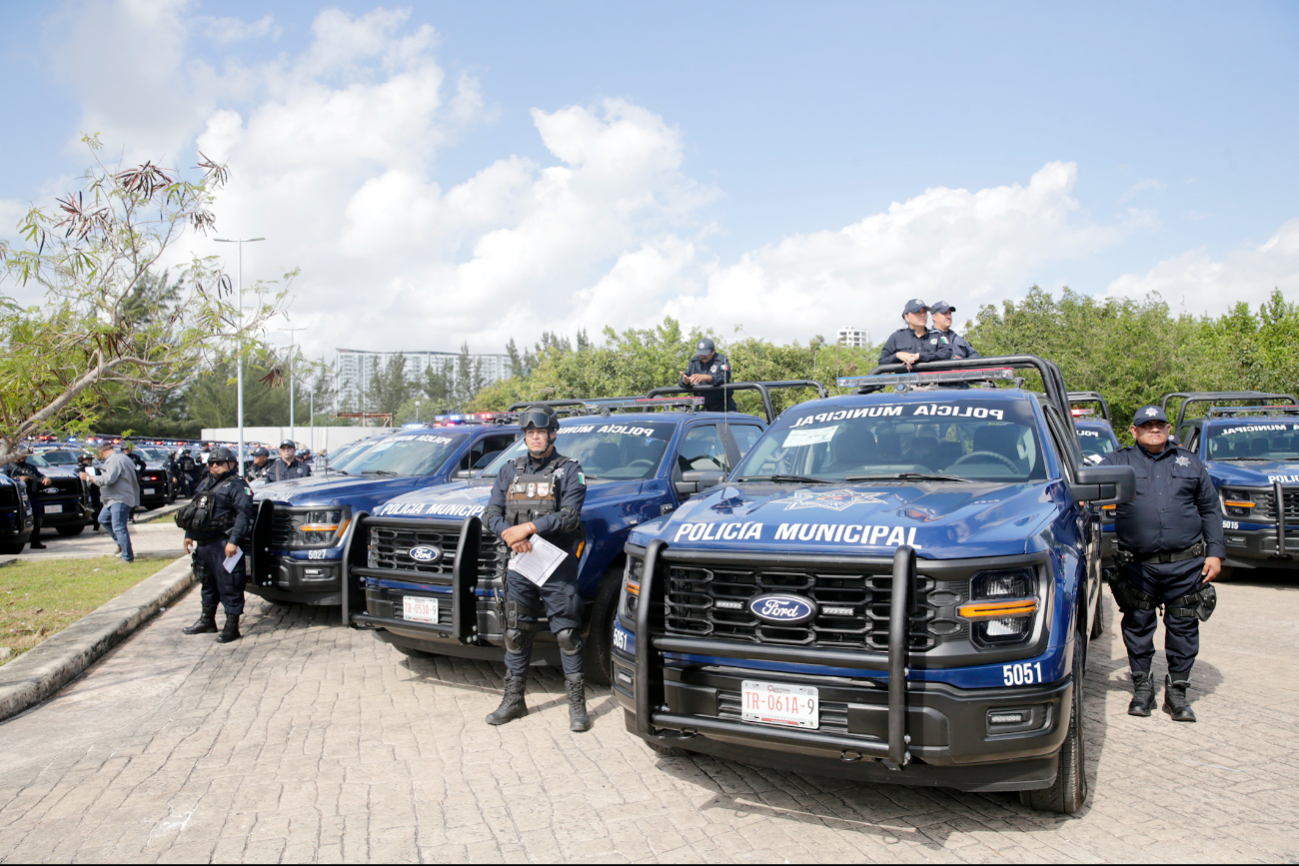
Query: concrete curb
47	667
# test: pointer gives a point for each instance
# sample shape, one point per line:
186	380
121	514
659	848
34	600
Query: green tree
389	388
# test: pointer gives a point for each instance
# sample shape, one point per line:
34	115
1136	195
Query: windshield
406	455
1263	441
606	449
967	439
1095	443
57	458
344	454
157	454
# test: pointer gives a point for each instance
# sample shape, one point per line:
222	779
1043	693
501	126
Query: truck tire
598	661
1098	621
69	531
1069	791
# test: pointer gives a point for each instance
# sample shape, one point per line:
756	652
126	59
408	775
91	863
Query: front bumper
1257	548
72	512
317	582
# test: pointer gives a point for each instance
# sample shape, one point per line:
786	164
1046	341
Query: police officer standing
540	495
288	466
915	343
218	537
942	314
708	369
1170	545
187	468
34	479
261	463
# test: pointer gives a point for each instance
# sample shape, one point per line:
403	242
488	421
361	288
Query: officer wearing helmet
218	536
710	369
261	463
540	495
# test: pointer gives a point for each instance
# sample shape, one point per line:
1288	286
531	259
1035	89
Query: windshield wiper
382	473
909	476
797	479
1253	460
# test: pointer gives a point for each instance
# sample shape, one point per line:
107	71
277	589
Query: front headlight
326	526
1003	607
631	575
1238	503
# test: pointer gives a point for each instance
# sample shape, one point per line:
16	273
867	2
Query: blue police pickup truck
432	577
890	587
297	539
1249	442
1096	439
15	515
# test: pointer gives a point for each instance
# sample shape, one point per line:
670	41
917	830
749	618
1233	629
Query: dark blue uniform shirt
960	347
278	470
555	525
1175	505
929	347
720	369
234	497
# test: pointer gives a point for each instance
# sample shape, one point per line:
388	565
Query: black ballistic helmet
540	417
221	454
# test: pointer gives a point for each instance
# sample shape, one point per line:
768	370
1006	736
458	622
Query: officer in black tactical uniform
214	539
261	463
542	495
914	343
708	369
942	313
1170	546
288	466
34	479
85	462
188	470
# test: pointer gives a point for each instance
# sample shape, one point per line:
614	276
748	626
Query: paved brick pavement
306	741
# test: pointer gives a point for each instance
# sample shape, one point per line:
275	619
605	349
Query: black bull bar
463	579
651	709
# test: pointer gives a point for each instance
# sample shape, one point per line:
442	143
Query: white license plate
419	609
780	704
148	491
54	509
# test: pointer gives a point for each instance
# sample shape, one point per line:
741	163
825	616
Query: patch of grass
38	599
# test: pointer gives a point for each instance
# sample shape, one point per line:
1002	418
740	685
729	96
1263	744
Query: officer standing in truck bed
1170	545
915	343
709	369
540	494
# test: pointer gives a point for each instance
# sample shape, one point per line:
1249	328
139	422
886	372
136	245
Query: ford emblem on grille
783	609
425	554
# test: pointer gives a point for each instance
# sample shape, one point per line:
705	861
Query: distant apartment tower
854	338
354	369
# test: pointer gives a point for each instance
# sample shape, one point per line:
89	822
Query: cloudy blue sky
475	171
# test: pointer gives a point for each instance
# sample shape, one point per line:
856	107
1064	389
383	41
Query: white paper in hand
232	561
539	564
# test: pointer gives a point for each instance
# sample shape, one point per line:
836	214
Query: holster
1199	604
1128	596
200	567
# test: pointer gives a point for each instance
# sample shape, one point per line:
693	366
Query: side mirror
1104	485
463	473
698	480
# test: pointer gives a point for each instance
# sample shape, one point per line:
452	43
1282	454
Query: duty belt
1123	556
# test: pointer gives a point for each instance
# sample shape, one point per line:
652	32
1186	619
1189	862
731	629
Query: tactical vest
199	514
532	496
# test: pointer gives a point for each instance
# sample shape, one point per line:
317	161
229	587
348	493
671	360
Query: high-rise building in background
353	369
854	338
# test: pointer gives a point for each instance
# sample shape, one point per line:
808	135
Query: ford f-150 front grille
852	609
281	529
390	548
1266	509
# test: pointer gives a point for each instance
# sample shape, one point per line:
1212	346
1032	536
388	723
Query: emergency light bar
605	403
934	378
1079	413
1234	410
473	418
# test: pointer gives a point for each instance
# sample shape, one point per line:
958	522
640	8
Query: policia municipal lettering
1170	546
540	494
216	524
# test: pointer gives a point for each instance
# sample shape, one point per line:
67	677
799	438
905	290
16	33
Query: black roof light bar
763	388
1052	378
1190	397
1090	397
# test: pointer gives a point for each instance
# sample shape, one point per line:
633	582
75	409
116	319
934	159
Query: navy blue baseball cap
705	347
289	443
261	452
942	307
915	305
1148	413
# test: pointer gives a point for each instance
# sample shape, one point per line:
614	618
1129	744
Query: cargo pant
558	598
1165	581
218	584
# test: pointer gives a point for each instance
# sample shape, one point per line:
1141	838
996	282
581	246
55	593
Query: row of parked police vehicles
894	585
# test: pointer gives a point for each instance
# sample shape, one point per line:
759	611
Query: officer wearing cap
708	369
221	536
942	315
1170	545
261	462
540	495
34	479
914	343
288	466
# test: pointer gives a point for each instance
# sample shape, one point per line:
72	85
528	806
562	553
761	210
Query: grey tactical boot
1175	703
1143	698
512	706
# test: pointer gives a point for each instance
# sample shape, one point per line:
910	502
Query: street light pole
241	242
293	434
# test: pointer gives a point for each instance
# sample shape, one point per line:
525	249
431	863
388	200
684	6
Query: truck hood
324	489
463	499
940	520
1254	474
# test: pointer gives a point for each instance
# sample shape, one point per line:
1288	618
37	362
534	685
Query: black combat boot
512	706
231	631
1143	698
35	542
206	623
578	720
1175	703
